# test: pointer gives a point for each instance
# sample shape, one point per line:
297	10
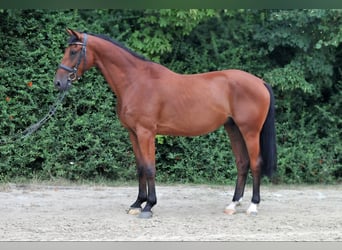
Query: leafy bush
297	51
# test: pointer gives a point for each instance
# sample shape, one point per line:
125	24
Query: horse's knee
140	171
150	171
146	171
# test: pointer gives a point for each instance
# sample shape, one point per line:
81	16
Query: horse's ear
73	33
70	31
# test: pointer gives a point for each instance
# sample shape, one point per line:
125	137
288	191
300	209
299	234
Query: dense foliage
299	52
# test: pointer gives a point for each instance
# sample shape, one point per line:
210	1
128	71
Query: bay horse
153	100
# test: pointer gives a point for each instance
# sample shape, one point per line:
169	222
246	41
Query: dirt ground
183	213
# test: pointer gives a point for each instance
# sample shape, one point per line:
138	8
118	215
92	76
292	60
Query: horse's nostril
57	83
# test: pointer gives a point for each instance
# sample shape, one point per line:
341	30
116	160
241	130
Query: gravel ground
183	213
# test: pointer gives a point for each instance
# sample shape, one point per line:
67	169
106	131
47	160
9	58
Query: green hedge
299	52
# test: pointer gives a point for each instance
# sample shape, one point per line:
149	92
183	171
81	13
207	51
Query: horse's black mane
73	39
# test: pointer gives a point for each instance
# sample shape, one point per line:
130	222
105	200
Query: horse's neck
119	71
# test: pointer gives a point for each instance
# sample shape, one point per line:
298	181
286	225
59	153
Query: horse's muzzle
62	85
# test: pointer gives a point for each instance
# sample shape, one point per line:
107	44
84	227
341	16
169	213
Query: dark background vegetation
299	52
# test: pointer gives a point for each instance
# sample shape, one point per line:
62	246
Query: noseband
73	71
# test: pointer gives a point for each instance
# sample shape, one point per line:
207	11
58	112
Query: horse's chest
133	111
130	116
123	115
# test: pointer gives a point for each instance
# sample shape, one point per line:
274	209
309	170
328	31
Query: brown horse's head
74	62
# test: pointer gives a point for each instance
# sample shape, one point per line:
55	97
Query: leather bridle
73	71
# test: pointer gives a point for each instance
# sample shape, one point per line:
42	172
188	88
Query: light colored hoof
252	210
229	211
134	211
145	215
231	208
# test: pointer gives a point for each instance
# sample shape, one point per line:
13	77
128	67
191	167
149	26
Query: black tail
268	140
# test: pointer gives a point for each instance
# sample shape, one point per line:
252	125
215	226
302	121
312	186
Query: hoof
145	215
134	210
229	211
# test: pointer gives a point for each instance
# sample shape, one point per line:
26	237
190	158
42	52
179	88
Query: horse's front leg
149	172
142	194
135	208
144	150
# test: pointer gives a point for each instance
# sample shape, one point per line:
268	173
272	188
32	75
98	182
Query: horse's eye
73	52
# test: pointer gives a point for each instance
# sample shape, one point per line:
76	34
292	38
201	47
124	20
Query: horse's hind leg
242	163
252	141
253	147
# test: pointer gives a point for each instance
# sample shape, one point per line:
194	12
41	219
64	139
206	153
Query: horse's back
200	103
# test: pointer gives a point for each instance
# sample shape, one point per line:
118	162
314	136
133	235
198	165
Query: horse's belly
191	124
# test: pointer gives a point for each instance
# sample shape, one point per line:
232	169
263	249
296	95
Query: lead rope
34	127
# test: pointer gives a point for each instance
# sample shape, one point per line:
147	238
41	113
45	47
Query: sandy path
78	213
